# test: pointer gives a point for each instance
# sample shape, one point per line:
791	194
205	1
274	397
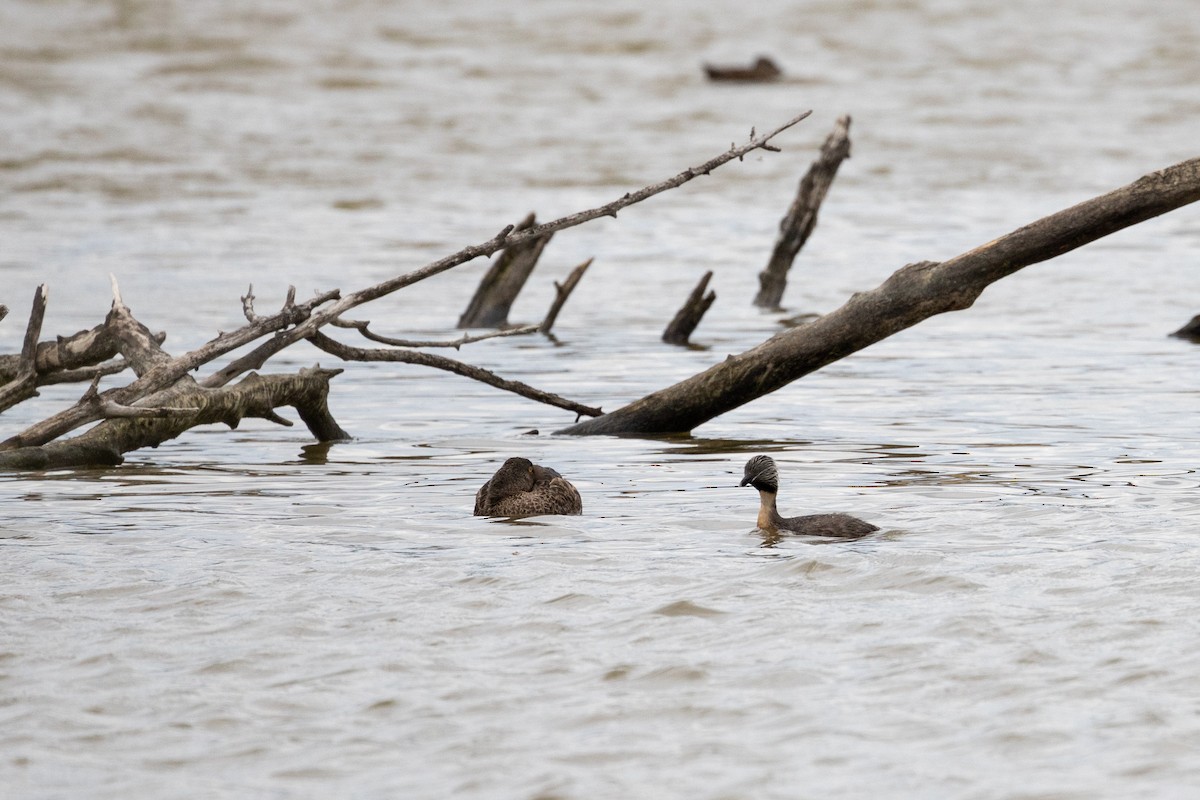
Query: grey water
237	614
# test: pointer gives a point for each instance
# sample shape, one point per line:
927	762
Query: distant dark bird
764	70
1191	331
761	474
521	488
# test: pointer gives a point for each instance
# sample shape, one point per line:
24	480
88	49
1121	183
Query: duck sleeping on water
521	488
762	71
761	473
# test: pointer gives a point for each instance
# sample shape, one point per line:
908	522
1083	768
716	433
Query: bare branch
689	315
801	218
362	327
498	290
113	367
164	375
134	339
505	238
348	353
24	383
254	396
561	292
913	293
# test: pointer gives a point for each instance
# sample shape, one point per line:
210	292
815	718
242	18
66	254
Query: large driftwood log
912	294
504	280
797	225
253	396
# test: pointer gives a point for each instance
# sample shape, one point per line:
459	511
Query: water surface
236	614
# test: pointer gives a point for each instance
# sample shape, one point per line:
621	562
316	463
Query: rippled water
236	614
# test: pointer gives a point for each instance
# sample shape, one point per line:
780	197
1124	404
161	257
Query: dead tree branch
161	376
23	385
561	292
797	225
912	294
347	353
504	280
679	330
507	237
254	396
362	327
159	373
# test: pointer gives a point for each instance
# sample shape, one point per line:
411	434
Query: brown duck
760	473
764	70
521	488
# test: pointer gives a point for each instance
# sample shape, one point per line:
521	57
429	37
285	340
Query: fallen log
169	413
912	294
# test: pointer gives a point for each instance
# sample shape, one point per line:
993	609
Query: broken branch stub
401	356
504	280
561	292
798	224
689	315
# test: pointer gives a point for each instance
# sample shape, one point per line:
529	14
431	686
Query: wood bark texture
253	396
680	328
561	292
910	295
504	280
798	224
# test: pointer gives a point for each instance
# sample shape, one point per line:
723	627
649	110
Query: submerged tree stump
797	225
504	280
1191	331
679	330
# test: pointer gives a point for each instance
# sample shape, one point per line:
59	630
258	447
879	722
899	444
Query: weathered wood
296	322
23	384
505	238
562	291
254	396
164	376
363	327
797	225
680	328
504	280
402	356
912	294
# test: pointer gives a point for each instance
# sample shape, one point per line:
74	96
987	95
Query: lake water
234	615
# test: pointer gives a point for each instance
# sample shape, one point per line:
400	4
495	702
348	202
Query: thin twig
361	327
561	292
348	353
113	367
505	238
